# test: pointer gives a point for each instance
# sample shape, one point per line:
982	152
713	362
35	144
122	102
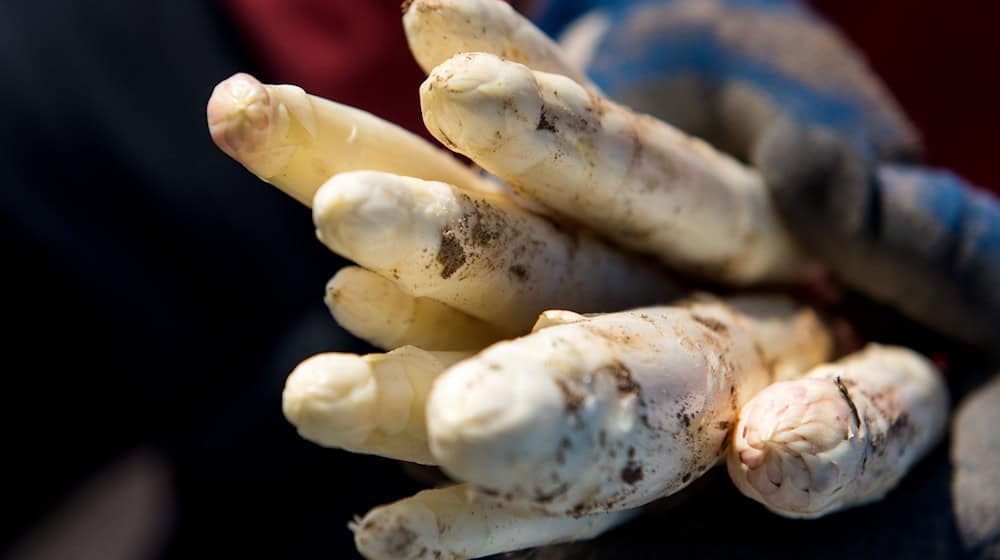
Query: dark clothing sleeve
157	293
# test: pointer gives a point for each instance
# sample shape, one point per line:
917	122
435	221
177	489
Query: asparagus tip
239	114
330	399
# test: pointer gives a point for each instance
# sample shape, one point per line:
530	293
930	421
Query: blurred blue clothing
738	73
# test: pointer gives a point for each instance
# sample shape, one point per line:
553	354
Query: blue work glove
772	84
919	239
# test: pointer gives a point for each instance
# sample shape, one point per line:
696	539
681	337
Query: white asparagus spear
772	318
480	255
296	141
842	436
606	412
367	404
449	523
436	30
639	181
374	309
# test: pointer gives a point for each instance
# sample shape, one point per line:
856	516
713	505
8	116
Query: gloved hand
724	70
774	85
921	240
562	433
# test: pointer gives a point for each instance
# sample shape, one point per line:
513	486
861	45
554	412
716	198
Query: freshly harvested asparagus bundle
367	404
449	523
608	412
842	436
296	141
635	179
481	255
373	308
436	30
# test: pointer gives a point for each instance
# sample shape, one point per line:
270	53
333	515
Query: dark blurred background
157	294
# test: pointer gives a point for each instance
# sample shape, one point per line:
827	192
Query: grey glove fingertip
817	180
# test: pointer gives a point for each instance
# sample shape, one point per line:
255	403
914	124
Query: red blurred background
939	60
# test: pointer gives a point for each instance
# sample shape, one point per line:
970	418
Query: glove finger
920	240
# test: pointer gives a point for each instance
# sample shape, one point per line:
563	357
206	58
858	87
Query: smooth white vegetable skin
480	255
367	404
373	308
450	523
296	141
601	413
436	30
840	437
635	179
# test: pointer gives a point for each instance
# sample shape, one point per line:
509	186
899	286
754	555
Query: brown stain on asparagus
574	398
489	224
632	472
398	540
622	376
544	123
560	120
519	272
486	241
546	497
425	6
451	255
850	403
714	325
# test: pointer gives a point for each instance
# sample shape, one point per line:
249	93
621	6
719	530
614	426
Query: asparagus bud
296	141
840	437
436	30
368	404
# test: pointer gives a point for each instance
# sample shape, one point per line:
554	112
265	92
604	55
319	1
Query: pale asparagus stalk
611	411
296	141
374	309
637	180
480	255
772	318
436	30
367	404
842	436
449	524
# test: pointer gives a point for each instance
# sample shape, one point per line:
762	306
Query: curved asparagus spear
436	30
373	308
840	437
449	523
480	255
637	180
296	141
367	404
608	412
